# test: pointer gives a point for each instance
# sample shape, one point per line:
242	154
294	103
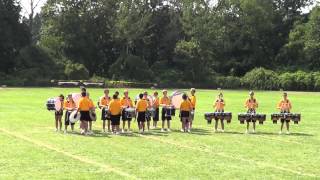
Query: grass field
30	149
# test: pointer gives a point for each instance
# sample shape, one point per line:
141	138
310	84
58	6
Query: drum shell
228	117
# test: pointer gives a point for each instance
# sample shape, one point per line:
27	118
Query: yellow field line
105	167
230	156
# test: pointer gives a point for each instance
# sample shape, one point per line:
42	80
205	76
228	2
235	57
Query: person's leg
163	122
72	127
123	125
281	127
287	123
143	125
108	124
103	125
168	125
216	125
148	124
248	124
129	125
56	122
183	126
222	124
254	126
60	122
90	125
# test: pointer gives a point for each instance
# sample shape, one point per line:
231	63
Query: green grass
30	149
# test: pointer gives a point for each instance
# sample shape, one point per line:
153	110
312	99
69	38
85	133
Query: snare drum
218	115
130	113
151	112
170	111
53	104
107	113
260	117
242	117
296	118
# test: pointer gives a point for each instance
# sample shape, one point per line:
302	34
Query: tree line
197	42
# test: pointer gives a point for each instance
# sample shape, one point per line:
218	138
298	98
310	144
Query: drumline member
84	107
69	105
141	108
284	106
251	104
126	102
218	105
91	109
103	103
185	110
58	114
156	107
148	119
193	100
165	102
115	114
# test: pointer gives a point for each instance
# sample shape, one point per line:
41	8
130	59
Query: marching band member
69	105
165	102
251	104
115	114
284	106
219	107
193	100
91	109
84	107
126	102
148	119
156	107
185	110
58	114
103	103
141	108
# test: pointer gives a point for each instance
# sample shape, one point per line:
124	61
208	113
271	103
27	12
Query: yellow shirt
219	105
251	103
142	105
69	105
127	102
115	107
193	101
85	104
284	105
186	106
104	101
165	101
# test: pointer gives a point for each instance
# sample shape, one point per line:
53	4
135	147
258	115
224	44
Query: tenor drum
170	111
260	117
209	117
296	118
53	104
106	113
93	116
130	113
227	116
151	112
74	117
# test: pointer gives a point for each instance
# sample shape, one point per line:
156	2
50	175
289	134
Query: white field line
106	168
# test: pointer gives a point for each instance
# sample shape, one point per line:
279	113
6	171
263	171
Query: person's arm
257	104
246	104
279	105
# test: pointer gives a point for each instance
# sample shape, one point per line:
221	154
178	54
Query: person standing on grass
251	104
126	102
93	110
284	106
115	114
165	102
141	108
193	101
69	106
148	119
218	105
84	107
185	110
156	107
58	114
103	105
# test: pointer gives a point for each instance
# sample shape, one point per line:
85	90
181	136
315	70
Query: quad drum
295	117
53	104
242	117
218	115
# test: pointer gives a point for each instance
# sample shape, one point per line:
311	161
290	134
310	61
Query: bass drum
176	98
54	104
74	117
76	97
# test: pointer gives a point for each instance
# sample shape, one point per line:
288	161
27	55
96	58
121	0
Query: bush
260	78
76	71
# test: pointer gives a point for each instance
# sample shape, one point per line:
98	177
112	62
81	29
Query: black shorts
163	115
124	116
283	119
103	115
156	115
141	117
66	118
58	113
85	116
184	114
115	120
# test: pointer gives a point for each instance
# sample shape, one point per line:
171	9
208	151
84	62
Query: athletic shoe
253	131
215	130
188	130
222	131
56	130
247	132
280	132
288	132
182	130
65	131
162	130
117	133
168	130
122	130
82	132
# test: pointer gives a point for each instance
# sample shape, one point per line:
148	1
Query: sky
26	6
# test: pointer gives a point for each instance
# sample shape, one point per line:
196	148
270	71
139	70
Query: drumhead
57	103
74	119
176	98
130	109
93	115
76	97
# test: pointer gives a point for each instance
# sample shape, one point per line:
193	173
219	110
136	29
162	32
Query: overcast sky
26	6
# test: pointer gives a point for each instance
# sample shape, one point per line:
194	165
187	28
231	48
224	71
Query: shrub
76	71
260	78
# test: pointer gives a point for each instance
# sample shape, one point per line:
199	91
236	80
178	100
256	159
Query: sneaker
56	130
222	131
280	132
129	131
247	132
215	130
168	130
147	130
288	132
162	130
140	131
182	130
117	133
82	132
253	131
188	130
122	130
65	131
103	131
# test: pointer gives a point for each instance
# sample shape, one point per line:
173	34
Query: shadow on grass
277	134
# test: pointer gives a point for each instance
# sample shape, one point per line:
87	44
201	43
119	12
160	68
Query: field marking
229	156
105	167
